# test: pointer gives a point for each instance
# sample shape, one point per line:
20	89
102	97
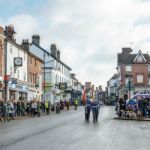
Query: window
18	53
18	74
35	62
129	68
35	78
149	81
56	78
148	67
30	79
62	69
24	76
24	56
10	71
11	49
140	78
30	59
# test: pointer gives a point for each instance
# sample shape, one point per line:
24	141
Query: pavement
69	131
134	119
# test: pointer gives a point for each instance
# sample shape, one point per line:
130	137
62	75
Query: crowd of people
133	108
12	109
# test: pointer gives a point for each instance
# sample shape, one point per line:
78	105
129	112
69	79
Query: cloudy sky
89	33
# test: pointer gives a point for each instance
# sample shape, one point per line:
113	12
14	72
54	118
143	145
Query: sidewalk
42	114
145	119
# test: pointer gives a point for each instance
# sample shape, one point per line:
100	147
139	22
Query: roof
22	48
51	55
127	58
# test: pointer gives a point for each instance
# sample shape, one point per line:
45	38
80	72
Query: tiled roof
124	58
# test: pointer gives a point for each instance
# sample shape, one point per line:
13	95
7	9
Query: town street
69	131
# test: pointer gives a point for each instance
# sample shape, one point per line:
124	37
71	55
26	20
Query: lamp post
129	87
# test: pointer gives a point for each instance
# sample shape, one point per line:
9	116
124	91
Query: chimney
53	49
9	32
36	39
58	54
126	50
25	44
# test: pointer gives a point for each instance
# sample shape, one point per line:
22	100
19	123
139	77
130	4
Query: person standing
95	109
47	107
87	109
76	104
67	104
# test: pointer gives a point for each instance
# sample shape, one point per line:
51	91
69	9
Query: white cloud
25	25
89	33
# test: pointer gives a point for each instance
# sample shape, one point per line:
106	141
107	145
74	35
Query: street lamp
129	87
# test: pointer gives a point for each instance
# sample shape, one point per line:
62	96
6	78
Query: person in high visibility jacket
76	103
47	107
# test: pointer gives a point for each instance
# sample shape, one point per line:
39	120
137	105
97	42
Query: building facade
54	71
35	77
34	67
1	62
133	72
76	88
16	83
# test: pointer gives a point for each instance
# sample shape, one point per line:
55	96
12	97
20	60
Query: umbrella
131	101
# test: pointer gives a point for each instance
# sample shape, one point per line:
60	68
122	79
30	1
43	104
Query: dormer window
140	58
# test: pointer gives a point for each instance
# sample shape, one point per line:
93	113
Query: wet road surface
69	131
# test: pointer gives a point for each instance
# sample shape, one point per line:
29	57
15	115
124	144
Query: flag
84	96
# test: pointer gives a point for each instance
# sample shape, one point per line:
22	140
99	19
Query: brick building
133	72
34	73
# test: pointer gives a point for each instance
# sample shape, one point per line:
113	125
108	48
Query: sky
88	33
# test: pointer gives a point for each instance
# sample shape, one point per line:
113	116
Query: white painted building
54	71
17	87
112	87
1	62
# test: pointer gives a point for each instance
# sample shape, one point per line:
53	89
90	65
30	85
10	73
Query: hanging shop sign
63	86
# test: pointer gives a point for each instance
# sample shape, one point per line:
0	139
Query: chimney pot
25	44
36	39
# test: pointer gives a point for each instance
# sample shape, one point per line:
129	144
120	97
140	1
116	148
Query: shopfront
18	91
1	87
